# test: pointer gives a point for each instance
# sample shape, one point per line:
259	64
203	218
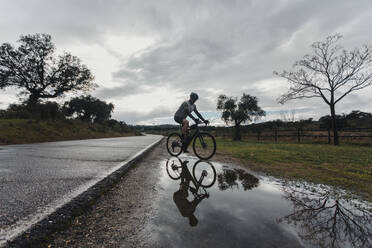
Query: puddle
204	204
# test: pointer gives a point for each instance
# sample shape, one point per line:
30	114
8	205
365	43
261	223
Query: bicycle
204	144
203	174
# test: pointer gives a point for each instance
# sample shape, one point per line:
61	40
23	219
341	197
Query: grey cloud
119	91
234	46
84	20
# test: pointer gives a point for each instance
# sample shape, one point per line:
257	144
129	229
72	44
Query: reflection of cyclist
186	207
185	110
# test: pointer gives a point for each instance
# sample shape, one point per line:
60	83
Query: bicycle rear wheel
174	144
204	146
204	169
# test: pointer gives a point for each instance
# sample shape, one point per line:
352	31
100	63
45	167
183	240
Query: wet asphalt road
36	177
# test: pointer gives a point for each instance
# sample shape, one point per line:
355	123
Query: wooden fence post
276	135
258	135
329	135
298	135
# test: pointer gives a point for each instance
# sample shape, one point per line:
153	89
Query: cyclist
185	110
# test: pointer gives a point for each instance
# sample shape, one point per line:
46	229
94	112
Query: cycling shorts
178	119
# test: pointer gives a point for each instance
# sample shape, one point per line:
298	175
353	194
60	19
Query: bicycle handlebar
198	122
193	126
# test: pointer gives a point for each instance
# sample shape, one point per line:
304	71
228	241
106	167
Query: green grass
19	131
347	166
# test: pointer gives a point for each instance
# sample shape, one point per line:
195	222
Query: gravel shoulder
118	217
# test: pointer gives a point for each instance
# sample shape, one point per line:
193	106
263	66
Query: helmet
194	96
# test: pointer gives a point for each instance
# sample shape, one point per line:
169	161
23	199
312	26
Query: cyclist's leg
180	121
185	134
185	128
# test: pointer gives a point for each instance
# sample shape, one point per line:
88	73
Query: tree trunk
31	105
334	125
237	135
32	100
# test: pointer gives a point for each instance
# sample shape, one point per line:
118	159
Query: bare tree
330	73
288	116
325	218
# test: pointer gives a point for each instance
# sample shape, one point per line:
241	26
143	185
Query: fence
357	135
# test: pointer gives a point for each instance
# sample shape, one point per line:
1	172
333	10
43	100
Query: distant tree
17	111
47	110
301	124
331	73
357	115
276	123
88	108
33	68
326	122
235	112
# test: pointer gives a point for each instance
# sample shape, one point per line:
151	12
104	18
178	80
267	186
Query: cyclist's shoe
185	143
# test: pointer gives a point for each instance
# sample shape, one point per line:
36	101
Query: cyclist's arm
199	115
192	117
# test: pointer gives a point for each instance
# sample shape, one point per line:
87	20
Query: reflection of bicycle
204	144
204	176
203	172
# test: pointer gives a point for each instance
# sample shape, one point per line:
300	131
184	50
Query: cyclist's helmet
194	96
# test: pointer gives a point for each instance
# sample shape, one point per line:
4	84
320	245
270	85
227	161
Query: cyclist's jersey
185	109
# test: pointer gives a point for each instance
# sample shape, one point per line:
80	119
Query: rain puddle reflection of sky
232	208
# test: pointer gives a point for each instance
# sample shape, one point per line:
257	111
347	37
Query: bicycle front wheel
174	168
204	146
174	144
204	173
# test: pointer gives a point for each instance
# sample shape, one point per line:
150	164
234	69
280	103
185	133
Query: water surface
239	209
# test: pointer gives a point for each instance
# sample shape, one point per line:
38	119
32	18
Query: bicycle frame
203	143
194	135
197	184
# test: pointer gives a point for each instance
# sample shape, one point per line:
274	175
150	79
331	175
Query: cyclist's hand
206	122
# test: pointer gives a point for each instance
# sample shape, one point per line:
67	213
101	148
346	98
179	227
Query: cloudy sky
147	56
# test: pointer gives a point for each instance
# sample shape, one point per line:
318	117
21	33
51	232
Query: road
37	178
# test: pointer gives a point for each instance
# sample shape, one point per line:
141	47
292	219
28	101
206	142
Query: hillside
19	131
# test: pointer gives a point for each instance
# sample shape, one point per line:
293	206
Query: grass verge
347	166
19	131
